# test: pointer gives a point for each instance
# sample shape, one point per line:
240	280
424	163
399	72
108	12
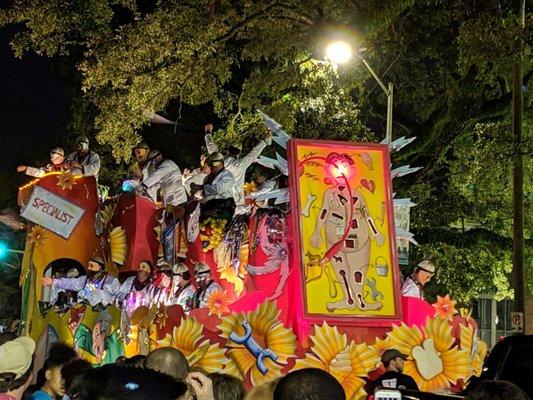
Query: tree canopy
450	62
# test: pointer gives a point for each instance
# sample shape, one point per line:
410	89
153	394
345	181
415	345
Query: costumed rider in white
57	158
184	293
218	191
84	161
234	163
162	288
414	285
163	174
205	285
135	291
98	288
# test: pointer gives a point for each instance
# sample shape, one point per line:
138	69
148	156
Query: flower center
428	361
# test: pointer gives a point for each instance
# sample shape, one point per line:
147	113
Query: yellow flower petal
243	359
186	335
440	331
404	338
456	364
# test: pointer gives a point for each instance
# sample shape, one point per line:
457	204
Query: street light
340	52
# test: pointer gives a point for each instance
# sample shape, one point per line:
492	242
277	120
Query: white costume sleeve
253	155
411	289
90	164
92	167
221	188
157	175
35	172
74	284
124	289
167	176
210	144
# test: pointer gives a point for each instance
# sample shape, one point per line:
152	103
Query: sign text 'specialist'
52	212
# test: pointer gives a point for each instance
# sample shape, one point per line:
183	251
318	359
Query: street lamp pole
389	92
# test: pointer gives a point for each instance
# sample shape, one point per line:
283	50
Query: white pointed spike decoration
278	134
398	144
406	235
158	119
281	195
404	202
283	165
404	170
267	162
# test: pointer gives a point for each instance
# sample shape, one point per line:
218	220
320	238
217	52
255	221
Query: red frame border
294	189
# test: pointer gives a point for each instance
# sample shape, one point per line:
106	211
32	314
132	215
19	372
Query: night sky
33	105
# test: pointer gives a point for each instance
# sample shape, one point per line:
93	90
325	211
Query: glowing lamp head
339	52
340	166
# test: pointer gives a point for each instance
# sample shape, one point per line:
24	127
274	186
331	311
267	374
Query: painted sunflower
66	180
269	345
434	365
348	363
444	307
477	348
218	303
187	338
37	235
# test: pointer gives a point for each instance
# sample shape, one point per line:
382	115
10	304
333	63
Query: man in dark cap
394	378
84	161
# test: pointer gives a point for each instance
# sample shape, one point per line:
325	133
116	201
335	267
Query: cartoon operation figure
349	229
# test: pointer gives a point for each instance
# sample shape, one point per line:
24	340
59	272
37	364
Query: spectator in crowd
309	384
73	372
135	361
236	164
201	386
84	161
393	378
49	383
414	285
168	360
16	365
226	387
497	390
57	158
119	382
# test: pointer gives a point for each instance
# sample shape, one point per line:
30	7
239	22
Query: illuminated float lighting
33	182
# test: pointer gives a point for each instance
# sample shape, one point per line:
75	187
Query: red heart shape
369	184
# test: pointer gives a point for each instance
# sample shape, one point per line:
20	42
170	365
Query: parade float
310	281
